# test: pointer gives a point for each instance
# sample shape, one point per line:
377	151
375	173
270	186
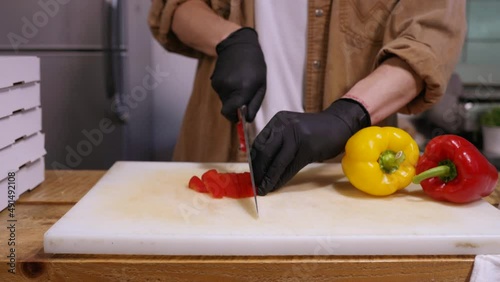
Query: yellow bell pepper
380	160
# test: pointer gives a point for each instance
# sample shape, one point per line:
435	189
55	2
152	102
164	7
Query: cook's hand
292	140
239	77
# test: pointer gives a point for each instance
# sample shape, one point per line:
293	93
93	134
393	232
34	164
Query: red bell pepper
219	185
453	169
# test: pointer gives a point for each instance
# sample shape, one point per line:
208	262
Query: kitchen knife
242	113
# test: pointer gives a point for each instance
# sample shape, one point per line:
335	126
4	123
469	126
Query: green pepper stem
441	171
390	161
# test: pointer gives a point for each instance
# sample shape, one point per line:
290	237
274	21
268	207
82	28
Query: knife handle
240	130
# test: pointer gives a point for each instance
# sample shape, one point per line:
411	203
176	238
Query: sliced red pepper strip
453	169
196	184
213	183
218	185
232	190
245	185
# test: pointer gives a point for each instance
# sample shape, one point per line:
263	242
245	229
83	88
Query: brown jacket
347	39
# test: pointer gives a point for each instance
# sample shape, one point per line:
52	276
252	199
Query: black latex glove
290	141
239	77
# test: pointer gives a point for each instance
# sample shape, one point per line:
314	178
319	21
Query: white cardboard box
23	151
32	174
26	178
20	124
18	69
20	97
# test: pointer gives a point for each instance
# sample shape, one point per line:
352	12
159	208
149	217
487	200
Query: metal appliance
96	77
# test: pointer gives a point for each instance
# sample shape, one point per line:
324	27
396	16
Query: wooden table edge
30	265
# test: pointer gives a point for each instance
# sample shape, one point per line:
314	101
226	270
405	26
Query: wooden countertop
38	210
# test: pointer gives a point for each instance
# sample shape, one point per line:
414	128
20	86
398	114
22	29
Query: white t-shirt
282	29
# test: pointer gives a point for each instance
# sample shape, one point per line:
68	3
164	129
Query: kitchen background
475	86
99	61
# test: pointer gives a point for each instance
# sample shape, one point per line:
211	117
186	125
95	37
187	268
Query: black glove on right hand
239	77
290	141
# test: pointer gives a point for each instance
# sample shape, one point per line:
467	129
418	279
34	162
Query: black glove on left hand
291	140
239	77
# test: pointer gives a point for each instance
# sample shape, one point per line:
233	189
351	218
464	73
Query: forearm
197	26
387	89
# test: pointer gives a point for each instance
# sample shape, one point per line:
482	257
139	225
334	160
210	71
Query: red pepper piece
232	189
196	184
232	185
209	174
213	183
245	185
453	169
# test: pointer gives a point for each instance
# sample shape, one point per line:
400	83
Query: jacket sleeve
428	37
160	18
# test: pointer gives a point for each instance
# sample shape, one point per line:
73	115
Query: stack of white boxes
22	143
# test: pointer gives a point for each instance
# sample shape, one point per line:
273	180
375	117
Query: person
311	73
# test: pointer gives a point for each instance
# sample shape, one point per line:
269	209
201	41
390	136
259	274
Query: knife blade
242	113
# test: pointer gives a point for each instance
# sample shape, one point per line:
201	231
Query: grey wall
170	98
480	61
483	37
140	130
166	102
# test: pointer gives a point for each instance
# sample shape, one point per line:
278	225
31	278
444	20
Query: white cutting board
146	208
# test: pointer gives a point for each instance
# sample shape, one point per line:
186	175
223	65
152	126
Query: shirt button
318	12
316	64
